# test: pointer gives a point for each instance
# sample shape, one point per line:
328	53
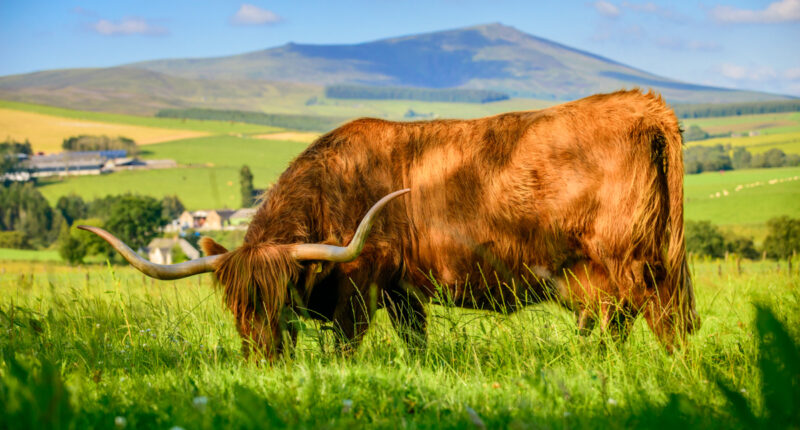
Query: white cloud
654	9
744	73
678	44
606	9
757	77
249	14
127	26
792	74
778	11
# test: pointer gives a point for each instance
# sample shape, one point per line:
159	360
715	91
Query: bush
706	158
694	133
99	143
14	239
704	238
783	238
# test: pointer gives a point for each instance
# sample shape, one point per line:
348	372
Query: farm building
159	250
214	219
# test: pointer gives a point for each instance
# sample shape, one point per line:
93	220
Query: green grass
113	346
750	206
7	254
211	180
216	127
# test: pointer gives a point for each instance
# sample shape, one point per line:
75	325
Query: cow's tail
678	275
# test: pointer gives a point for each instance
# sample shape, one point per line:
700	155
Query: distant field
229	151
781	130
46	133
787	142
397	109
28	255
750	206
765	123
209	184
210	127
46	127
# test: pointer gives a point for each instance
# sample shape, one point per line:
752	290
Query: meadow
46	127
102	347
781	130
208	180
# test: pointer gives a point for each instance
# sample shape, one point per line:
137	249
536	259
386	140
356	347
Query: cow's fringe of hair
256	279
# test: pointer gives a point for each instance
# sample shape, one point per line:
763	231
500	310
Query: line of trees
99	143
698	159
27	221
706	239
453	95
295	122
733	109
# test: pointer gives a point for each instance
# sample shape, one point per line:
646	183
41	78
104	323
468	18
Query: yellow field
46	133
292	136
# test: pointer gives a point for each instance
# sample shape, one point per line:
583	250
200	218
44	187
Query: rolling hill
284	78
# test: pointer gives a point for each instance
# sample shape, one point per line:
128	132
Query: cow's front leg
350	322
409	318
261	336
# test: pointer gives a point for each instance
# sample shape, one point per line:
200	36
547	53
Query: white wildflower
120	422
200	403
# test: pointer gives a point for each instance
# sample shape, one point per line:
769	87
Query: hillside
289	78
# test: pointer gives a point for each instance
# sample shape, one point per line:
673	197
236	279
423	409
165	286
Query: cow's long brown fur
581	203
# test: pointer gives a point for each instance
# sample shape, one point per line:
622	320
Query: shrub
783	237
704	238
14	239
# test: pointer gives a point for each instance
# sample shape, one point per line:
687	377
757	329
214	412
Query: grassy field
780	130
211	180
764	123
46	127
750	205
99	347
28	255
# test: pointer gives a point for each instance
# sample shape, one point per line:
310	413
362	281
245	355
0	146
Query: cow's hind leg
408	315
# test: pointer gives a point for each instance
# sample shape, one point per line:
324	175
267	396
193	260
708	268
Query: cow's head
254	277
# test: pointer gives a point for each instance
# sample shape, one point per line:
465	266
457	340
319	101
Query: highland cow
581	203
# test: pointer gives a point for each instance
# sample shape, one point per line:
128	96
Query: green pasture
209	180
7	254
787	142
97	347
215	127
747	207
771	123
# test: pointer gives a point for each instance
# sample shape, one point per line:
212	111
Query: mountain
493	57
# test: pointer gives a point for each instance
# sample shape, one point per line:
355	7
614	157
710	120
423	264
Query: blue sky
740	44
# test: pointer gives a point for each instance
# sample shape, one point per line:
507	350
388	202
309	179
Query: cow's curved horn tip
84	227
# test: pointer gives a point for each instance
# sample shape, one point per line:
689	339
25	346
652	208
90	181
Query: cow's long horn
343	254
158	271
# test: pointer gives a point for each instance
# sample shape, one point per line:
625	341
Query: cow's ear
210	247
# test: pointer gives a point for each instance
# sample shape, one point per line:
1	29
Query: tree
71	207
173	208
704	238
742	246
24	209
741	158
135	219
783	237
246	183
10	152
694	133
70	247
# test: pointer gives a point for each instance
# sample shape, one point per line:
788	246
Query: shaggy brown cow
581	203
